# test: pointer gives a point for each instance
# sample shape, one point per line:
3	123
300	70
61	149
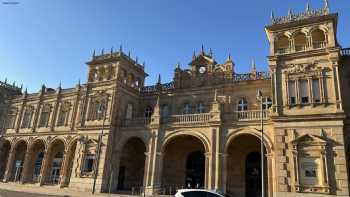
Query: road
7	193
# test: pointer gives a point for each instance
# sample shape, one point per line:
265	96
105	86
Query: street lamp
100	110
259	98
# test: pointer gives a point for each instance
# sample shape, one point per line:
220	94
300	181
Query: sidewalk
53	190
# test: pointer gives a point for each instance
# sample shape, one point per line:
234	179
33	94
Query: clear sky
48	41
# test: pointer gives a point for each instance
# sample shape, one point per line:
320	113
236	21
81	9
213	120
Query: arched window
300	41
242	105
318	39
129	110
27	117
187	108
267	103
282	44
63	114
45	116
165	110
98	109
148	112
200	107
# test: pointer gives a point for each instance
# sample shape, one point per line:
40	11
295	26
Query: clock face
202	69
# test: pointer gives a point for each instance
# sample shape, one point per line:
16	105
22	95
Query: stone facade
200	130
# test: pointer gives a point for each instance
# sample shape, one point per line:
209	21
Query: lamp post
259	98
100	110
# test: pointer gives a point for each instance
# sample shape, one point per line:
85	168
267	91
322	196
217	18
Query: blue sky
48	41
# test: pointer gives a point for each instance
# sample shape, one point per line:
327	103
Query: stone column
44	167
9	165
64	165
27	161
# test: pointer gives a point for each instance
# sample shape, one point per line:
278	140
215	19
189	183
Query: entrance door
121	178
253	175
195	170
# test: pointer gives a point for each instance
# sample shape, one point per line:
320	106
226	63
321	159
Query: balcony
252	115
188	118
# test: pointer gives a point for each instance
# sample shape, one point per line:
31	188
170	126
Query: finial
290	12
103	52
120	48
178	65
326	4
93	54
194	55
136	59
253	66
143	64
307	6
14	83
202	50
229	58
60	85
272	15
26	91
210	52
5	80
129	54
112	50
21	86
159	80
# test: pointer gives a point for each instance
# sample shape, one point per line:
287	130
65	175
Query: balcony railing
345	52
319	45
251	115
188	118
300	48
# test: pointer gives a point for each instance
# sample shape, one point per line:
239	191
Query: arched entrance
35	161
243	165
132	165
20	153
4	154
55	163
183	163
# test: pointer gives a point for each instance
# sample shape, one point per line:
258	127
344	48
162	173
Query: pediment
308	139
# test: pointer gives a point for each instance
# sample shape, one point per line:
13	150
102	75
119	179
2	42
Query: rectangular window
89	163
44	119
309	168
62	118
291	92
304	91
10	124
316	90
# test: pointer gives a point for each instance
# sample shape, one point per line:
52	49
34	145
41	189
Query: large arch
20	149
35	160
69	158
55	157
4	155
184	161
131	164
243	163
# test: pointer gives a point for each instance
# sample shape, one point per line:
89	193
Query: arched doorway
35	161
183	164
132	165
20	153
243	165
55	163
4	154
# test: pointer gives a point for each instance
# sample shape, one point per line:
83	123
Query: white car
197	193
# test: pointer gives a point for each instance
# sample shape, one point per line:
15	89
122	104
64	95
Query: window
165	111
63	115
291	92
148	112
98	109
45	116
200	107
27	118
187	108
242	105
316	90
89	163
267	103
129	109
304	92
309	168
11	119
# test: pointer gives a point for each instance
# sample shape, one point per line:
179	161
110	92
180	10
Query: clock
202	69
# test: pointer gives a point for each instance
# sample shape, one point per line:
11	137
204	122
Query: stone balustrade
345	52
251	115
188	118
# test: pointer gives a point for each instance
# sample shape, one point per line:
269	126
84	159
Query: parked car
197	193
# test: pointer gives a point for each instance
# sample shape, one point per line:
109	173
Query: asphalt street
7	193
